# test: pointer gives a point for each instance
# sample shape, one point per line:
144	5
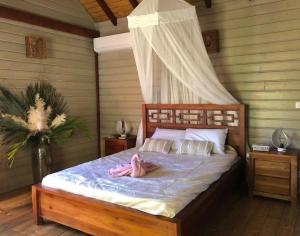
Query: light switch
298	105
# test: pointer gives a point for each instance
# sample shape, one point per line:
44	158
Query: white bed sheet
165	191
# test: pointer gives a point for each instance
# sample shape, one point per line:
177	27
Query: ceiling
104	10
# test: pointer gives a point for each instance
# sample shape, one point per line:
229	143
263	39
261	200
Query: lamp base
123	136
281	149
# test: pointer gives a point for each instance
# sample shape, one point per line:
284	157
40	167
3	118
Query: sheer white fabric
171	58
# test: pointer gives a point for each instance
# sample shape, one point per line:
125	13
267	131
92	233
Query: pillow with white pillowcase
216	136
175	135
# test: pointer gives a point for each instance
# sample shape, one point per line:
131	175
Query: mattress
166	191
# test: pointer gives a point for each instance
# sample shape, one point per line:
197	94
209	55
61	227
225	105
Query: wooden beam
97	103
107	11
134	3
208	3
30	18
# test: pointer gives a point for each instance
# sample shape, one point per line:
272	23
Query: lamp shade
122	127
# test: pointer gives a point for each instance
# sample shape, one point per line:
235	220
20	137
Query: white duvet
165	191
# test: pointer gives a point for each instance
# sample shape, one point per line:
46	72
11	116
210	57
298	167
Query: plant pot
41	162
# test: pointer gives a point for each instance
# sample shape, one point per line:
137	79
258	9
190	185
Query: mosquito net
171	58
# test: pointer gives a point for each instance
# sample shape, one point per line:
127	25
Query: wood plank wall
259	64
70	68
68	11
259	61
120	94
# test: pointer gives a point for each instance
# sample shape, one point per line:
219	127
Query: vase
41	162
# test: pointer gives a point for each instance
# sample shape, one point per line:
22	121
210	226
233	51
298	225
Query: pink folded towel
136	168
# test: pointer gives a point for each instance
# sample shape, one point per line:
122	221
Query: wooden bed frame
106	219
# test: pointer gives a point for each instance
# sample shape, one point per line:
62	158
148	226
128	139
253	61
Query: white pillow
176	135
216	136
195	147
156	145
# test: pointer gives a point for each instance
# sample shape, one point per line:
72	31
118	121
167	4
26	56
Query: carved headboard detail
199	116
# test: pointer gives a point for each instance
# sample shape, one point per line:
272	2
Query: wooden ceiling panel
118	8
107	10
121	8
92	7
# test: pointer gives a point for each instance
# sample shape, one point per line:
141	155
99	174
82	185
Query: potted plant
36	118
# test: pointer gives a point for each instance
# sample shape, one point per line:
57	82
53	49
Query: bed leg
175	230
35	206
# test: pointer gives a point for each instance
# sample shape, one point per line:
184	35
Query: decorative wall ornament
36	47
211	41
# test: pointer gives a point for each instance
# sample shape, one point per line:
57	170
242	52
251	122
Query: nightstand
114	145
273	174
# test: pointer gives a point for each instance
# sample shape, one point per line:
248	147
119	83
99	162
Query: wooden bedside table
273	174
114	145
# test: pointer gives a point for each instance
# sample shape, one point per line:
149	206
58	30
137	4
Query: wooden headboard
199	116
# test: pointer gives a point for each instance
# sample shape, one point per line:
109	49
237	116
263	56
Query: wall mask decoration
211	41
36	47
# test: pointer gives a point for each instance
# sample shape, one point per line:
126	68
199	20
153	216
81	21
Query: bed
99	217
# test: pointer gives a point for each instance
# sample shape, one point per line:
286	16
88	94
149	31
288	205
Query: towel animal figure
136	168
136	165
